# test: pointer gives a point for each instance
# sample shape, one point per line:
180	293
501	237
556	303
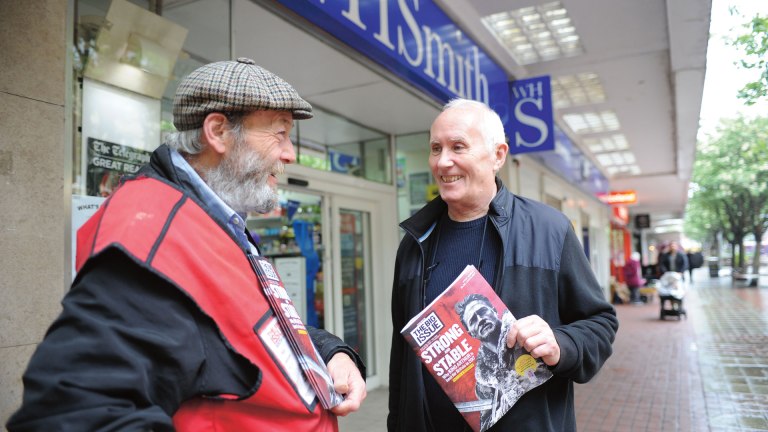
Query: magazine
294	330
461	339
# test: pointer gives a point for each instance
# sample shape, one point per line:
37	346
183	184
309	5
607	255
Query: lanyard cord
482	243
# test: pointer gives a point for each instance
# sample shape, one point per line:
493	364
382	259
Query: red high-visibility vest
170	234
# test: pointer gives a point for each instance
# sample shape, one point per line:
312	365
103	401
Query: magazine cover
461	339
293	327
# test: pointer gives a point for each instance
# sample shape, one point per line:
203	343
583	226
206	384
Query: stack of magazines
294	330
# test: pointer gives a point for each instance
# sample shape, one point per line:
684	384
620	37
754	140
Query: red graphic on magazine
293	327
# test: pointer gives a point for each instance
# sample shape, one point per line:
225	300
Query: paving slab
707	371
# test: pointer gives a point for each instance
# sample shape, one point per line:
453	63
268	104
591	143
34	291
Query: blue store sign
572	165
344	163
531	125
416	41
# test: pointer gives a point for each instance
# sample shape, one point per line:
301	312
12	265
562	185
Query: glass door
291	237
352	277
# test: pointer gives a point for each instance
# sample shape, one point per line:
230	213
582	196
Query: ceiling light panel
536	33
592	122
605	160
618	163
606	143
576	90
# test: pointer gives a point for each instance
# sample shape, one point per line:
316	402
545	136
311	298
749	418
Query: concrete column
33	212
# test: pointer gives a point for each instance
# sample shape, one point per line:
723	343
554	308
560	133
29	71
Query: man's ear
214	132
500	154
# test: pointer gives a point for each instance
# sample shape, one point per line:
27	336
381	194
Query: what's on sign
531	124
619	197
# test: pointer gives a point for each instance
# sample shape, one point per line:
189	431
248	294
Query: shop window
127	62
329	142
291	237
137	69
415	185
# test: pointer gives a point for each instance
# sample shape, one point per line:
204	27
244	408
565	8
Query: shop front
376	74
333	233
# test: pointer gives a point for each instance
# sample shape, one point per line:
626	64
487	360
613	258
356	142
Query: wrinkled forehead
455	121
474	308
270	118
457	118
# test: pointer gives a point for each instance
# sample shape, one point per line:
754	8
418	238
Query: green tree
754	44
729	187
702	221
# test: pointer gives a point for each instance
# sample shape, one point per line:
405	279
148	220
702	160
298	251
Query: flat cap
233	86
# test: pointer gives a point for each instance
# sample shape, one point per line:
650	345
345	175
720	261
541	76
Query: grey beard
240	181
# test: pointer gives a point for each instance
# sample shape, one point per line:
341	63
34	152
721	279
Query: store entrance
353	259
291	237
320	244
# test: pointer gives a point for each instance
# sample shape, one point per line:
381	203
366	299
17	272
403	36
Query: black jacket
129	347
695	260
543	271
681	262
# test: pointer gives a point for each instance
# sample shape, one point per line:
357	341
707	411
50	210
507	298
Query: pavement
705	372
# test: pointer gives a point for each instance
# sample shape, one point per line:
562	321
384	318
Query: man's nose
288	154
445	159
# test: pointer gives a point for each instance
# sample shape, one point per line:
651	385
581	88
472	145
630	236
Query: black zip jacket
542	271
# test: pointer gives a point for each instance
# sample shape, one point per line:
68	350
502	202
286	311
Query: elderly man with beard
166	326
527	251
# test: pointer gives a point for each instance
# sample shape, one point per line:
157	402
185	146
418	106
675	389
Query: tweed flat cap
233	86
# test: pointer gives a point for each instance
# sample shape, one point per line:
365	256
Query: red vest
172	235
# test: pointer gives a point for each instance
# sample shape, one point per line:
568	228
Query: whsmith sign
531	123
416	41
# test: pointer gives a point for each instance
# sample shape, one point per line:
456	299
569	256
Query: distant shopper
663	252
695	260
674	260
633	277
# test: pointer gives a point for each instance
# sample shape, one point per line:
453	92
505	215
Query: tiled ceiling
629	95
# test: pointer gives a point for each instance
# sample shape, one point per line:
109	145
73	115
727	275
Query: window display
294	230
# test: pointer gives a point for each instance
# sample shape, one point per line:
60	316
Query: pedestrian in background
663	252
674	260
695	260
633	277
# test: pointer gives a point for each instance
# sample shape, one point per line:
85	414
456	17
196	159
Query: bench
647	293
750	279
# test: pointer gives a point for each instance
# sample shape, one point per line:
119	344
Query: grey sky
723	78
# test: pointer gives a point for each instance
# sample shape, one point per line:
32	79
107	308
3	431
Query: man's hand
535	335
348	382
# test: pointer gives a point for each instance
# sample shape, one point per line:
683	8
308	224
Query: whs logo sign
531	128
